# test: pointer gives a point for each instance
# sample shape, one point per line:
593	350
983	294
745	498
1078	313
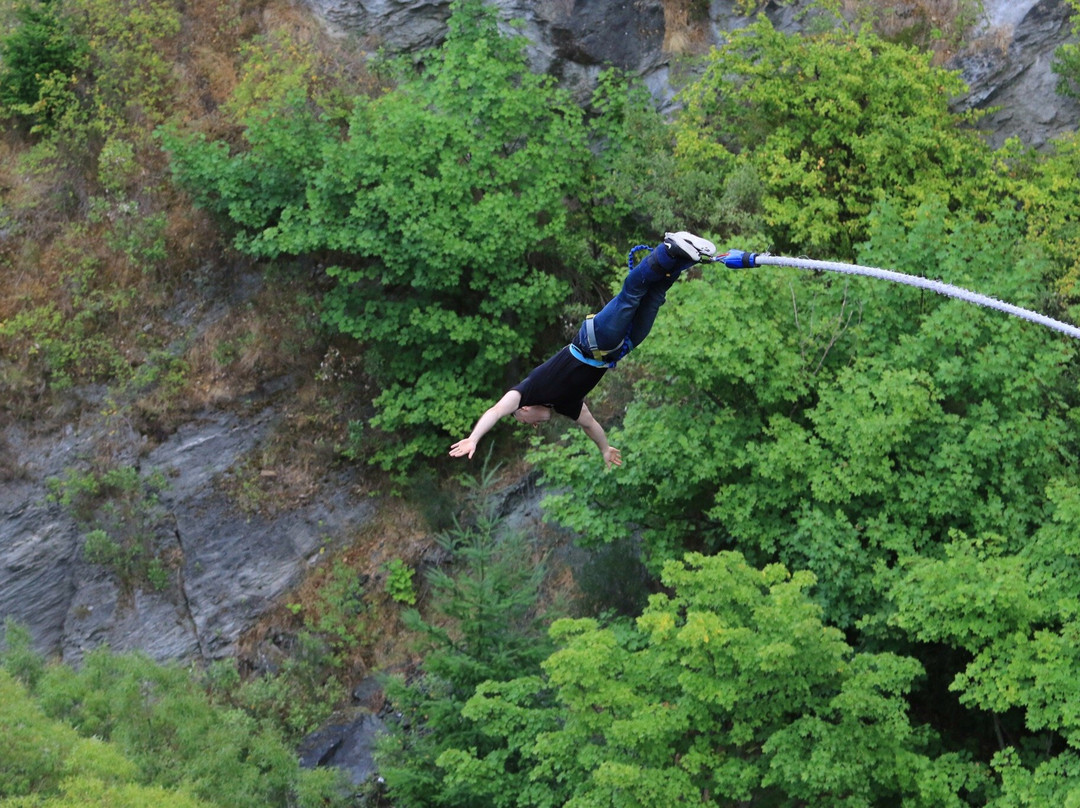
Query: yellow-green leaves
832	124
729	689
44	762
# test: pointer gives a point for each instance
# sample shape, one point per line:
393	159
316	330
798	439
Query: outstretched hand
463	448
612	457
504	406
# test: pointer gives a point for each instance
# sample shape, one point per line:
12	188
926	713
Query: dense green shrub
728	690
910	459
1067	59
44	763
829	124
444	208
915	453
1049	194
39	58
838	423
160	728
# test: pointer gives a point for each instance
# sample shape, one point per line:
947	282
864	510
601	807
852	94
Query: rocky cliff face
1007	63
225	566
1008	69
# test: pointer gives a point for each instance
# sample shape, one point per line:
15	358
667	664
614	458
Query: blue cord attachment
737	259
631	257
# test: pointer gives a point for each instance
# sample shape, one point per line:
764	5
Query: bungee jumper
561	383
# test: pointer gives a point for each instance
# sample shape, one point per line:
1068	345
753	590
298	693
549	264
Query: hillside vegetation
840	565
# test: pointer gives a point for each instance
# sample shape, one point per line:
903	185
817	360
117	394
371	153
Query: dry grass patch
938	26
95	241
685	27
271	334
293	464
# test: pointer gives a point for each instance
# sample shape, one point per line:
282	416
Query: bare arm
611	455
504	406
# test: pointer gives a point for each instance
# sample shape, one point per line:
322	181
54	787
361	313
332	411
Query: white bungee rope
738	259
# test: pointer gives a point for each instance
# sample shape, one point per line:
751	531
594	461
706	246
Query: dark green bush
38	60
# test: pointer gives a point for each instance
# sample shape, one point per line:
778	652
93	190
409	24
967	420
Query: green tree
829	124
39	55
44	763
1047	188
83	70
641	185
444	212
1010	608
728	690
838	424
483	625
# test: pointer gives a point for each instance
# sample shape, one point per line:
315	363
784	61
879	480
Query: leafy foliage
483	627
728	690
124	731
1067	59
399	582
44	763
84	243
40	53
640	185
1011	608
830	125
339	612
82	70
1048	192
444	203
909	459
839	424
120	511
864	433
123	719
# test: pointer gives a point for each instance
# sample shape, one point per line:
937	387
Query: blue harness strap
581	357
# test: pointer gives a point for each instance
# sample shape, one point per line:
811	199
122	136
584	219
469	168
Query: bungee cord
738	259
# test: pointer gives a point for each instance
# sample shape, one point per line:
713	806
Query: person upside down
561	383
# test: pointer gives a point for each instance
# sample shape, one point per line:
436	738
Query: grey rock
232	565
347	745
1011	70
574	40
235	564
570	39
369	694
37	557
101	613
